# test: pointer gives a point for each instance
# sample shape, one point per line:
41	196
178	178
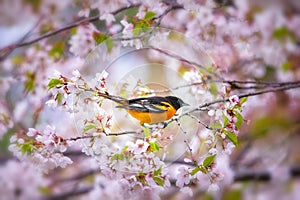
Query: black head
176	102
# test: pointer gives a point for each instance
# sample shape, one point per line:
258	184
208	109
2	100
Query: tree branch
235	84
277	89
107	134
269	90
4	52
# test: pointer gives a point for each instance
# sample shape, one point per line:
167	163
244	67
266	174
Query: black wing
150	104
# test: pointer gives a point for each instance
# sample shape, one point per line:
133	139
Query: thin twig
199	121
187	142
107	134
178	57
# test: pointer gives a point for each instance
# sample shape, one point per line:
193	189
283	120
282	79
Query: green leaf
121	156
54	82
195	171
240	119
210	69
88	127
232	137
208	196
243	100
27	148
176	36
147	132
18	60
44	190
153	146
74	30
158	181
226	120
5	118
262	126
125	148
137	30
109	44
213	89
236	194
45	28
283	33
217	125
149	15
57	50
141	178
287	66
99	37
5	142
29	84
157	172
140	27
118	156
59	97
35	4
209	160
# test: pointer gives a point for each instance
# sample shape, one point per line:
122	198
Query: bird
148	110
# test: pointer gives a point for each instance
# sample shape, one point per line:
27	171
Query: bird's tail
117	99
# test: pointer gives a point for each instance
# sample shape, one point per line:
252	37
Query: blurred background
244	40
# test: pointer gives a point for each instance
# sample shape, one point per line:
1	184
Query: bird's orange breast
152	118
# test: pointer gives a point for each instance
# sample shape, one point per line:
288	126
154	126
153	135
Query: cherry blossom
83	42
69	139
20	180
45	149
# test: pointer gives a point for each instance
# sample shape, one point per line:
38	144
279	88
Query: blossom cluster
44	149
134	160
205	44
131	165
21	180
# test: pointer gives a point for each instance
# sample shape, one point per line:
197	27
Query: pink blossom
183	177
46	149
109	18
234	99
84	12
138	147
20	180
213	188
187	190
32	132
83	42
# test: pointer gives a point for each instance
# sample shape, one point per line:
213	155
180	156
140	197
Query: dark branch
277	89
252	176
107	134
235	84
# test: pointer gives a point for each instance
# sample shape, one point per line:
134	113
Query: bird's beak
185	104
